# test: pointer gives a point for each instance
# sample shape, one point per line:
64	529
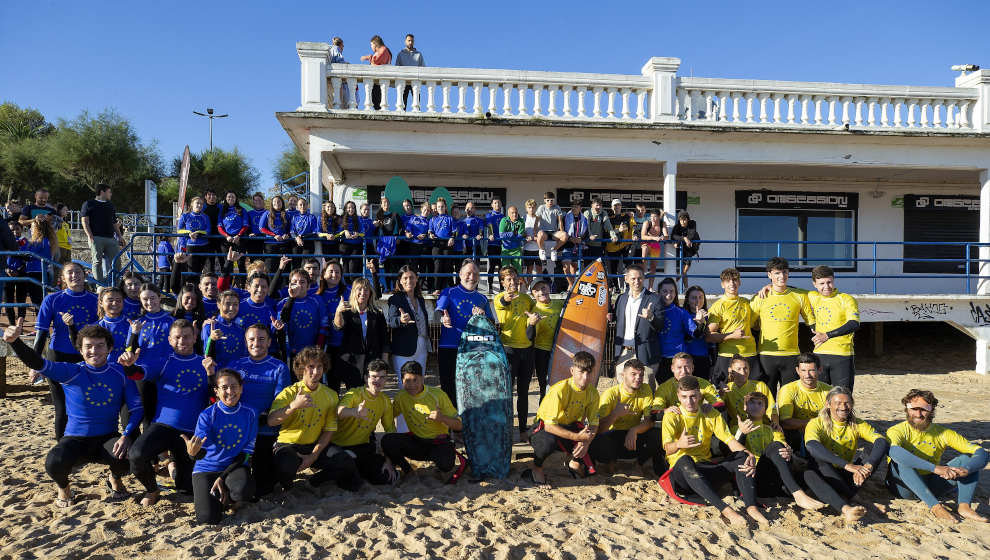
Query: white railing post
313	73
662	72
983	284
670	214
980	80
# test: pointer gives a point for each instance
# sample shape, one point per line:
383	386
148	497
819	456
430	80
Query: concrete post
313	60
670	214
662	72
983	283
980	80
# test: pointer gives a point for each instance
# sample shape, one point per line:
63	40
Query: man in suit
638	320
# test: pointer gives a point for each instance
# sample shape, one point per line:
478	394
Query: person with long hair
330	230
275	225
189	305
16	267
365	335
408	319
696	304
304	229
351	246
130	283
63	234
679	326
233	223
370	265
43	245
110	310
332	290
653	233
195	224
389	229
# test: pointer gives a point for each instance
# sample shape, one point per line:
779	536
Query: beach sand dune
623	516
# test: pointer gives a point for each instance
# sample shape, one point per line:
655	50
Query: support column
313	61
983	283
662	72
670	214
316	169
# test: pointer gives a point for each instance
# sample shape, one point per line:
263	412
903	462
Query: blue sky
155	62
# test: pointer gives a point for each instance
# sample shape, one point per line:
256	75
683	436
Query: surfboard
582	323
484	399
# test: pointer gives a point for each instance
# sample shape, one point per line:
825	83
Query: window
941	219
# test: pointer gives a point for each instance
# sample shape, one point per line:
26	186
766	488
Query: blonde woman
365	336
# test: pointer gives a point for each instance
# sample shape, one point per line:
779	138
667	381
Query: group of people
380	55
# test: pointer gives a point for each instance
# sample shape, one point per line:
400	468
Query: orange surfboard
582	323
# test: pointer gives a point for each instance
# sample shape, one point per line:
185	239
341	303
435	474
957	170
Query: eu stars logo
188	380
781	312
823	316
99	394
303	318
230	435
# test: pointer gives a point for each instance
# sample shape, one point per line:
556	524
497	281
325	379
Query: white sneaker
553	255
543	254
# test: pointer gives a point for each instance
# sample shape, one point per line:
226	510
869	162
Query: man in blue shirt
95	392
455	306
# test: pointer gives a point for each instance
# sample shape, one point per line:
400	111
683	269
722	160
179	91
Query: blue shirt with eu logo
459	302
82	306
183	391
227	432
231	347
307	321
94	396
263	381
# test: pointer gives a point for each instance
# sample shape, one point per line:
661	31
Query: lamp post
209	113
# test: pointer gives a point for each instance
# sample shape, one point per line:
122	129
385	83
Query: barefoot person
773	471
222	446
835	472
360	412
626	425
94	392
430	416
800	401
916	447
307	415
687	441
567	419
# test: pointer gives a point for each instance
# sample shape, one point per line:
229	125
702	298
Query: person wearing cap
599	229
685	234
617	250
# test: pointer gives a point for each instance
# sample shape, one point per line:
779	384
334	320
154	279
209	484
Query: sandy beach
622	516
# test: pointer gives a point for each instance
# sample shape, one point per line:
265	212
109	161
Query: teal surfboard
484	399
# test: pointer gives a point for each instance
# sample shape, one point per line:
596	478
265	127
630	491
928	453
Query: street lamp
209	113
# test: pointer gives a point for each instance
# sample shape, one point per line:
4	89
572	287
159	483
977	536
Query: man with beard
916	447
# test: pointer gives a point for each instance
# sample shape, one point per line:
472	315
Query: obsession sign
783	199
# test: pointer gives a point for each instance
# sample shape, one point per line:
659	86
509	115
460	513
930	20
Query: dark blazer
647	333
403	336
356	347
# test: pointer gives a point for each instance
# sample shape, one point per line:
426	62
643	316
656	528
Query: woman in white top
531	250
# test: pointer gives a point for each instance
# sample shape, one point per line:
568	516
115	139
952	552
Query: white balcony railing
656	96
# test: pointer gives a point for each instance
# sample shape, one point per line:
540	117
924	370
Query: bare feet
968	512
942	513
852	514
150	498
733	517
755	514
805	501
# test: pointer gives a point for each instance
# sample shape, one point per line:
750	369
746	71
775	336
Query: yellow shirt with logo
666	394
565	404
355	431
842	438
778	315
305	426
415	410
795	401
731	314
639	403
702	425
758	440
546	329
929	444
512	320
831	313
734	399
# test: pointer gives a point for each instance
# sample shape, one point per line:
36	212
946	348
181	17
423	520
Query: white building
855	170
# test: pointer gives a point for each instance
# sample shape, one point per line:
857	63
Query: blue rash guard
308	323
165	255
82	305
153	340
305	225
254	218
193	221
227	432
459	302
183	391
678	328
473	226
132	308
331	299
250	313
353	225
273	222
492	220
263	381
119	328
443	226
94	396
42	249
234	223
417	225
209	307
232	346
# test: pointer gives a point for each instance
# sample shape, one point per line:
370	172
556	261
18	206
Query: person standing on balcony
380	56
409	56
337	57
99	221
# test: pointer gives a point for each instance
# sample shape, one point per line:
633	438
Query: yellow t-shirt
699	424
734	399
305	426
639	403
831	313
758	440
794	401
565	404
546	329
64	236
630	228
666	394
730	314
416	409
929	444
354	431
842	439
512	320
778	316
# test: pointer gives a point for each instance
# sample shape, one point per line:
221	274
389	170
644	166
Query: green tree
289	164
24	135
20	124
219	170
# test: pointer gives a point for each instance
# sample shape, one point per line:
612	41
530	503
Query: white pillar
670	213
979	80
315	176
983	284
662	72
313	61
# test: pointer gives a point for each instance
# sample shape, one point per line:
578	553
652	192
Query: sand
623	516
